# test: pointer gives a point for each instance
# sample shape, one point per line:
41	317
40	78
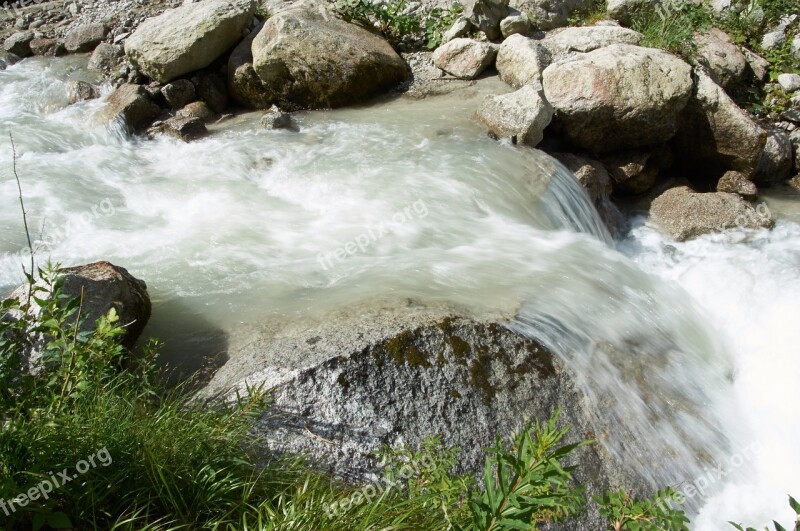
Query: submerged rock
520	116
464	58
188	38
618	97
682	213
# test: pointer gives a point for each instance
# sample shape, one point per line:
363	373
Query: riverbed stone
19	43
106	57
485	15
178	93
47	47
187	38
514	23
197	109
632	172
81	91
775	163
735	182
186	128
590	173
723	59
618	97
7	59
520	116
132	105
789	82
464	58
292	55
275	118
521	60
85	38
683	214
244	85
715	134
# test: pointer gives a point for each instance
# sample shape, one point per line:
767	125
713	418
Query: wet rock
81	91
521	60
715	134
106	57
591	173
181	127
789	82
734	182
7	59
486	15
724	60
775	163
460	28
103	286
515	23
569	41
132	105
520	116
197	109
19	44
682	213
275	118
47	47
468	379
85	38
179	93
244	85
188	38
292	57
618	97
464	58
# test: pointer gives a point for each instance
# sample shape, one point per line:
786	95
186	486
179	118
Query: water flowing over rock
188	38
724	60
521	116
102	286
521	60
132	105
464	58
7	59
618	97
486	15
775	164
683	213
292	55
715	134
186	128
375	376
85	38
563	43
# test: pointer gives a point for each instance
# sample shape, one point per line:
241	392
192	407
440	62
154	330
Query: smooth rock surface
775	163
520	116
789	82
582	39
618	97
188	38
106	57
85	38
521	60
464	58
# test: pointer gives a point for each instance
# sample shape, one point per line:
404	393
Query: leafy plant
778	527
528	483
623	511
673	27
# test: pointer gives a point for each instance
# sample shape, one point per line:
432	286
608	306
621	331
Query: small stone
464	58
789	82
106	57
796	47
773	39
183	128
85	38
80	91
179	93
274	118
459	29
515	23
197	109
735	182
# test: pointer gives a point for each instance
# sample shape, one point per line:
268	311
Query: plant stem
24	217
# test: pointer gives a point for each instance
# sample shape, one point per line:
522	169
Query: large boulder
716	135
521	60
520	116
682	213
486	15
101	286
307	60
372	375
85	38
188	38
618	97
464	58
581	39
244	85
775	164
132	105
725	62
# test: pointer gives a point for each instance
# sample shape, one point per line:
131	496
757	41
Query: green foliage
588	15
778	527
673	28
395	20
623	511
528	483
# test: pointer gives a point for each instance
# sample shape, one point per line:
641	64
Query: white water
245	225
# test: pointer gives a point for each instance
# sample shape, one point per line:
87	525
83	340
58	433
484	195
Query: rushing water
687	346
